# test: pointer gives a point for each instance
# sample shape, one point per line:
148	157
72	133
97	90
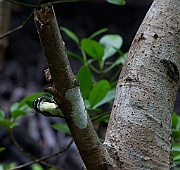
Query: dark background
23	66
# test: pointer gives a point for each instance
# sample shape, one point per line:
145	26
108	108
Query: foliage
96	60
18	110
117	2
94	57
8	166
176	138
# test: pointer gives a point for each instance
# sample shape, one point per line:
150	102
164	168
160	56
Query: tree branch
35	160
65	89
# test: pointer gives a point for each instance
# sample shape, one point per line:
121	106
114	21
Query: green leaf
2	115
85	78
101	118
176	134
111	42
176	147
10	166
93	110
8	124
1	167
121	59
36	166
98	92
73	55
92	48
25	101
22	108
18	113
70	34
109	97
176	158
98	32
14	107
174	120
2	149
117	2
61	127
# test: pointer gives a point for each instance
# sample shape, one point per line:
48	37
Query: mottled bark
139	131
66	92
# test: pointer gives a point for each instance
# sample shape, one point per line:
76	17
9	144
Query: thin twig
31	14
36	159
17	28
35	6
43	158
25	22
25	152
64	1
21	3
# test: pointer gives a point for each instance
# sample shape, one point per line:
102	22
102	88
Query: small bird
47	106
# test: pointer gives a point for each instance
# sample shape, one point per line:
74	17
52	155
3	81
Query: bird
47	107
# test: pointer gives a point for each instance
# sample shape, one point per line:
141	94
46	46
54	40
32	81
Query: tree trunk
139	131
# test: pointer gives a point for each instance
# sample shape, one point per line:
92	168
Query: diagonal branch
65	89
35	160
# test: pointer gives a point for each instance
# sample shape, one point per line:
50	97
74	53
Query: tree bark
66	92
139	131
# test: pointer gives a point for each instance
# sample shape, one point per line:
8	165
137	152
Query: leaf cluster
95	57
176	138
17	110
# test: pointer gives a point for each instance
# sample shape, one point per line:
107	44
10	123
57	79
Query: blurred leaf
176	147
2	149
30	99
117	2
109	97
101	118
14	107
36	166
111	42
92	110
10	166
92	48
18	113
8	124
174	120
176	134
121	59
61	127
73	55
53	168
1	167
2	115
84	76
29	104
98	92
70	34
19	109
176	158
98	32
